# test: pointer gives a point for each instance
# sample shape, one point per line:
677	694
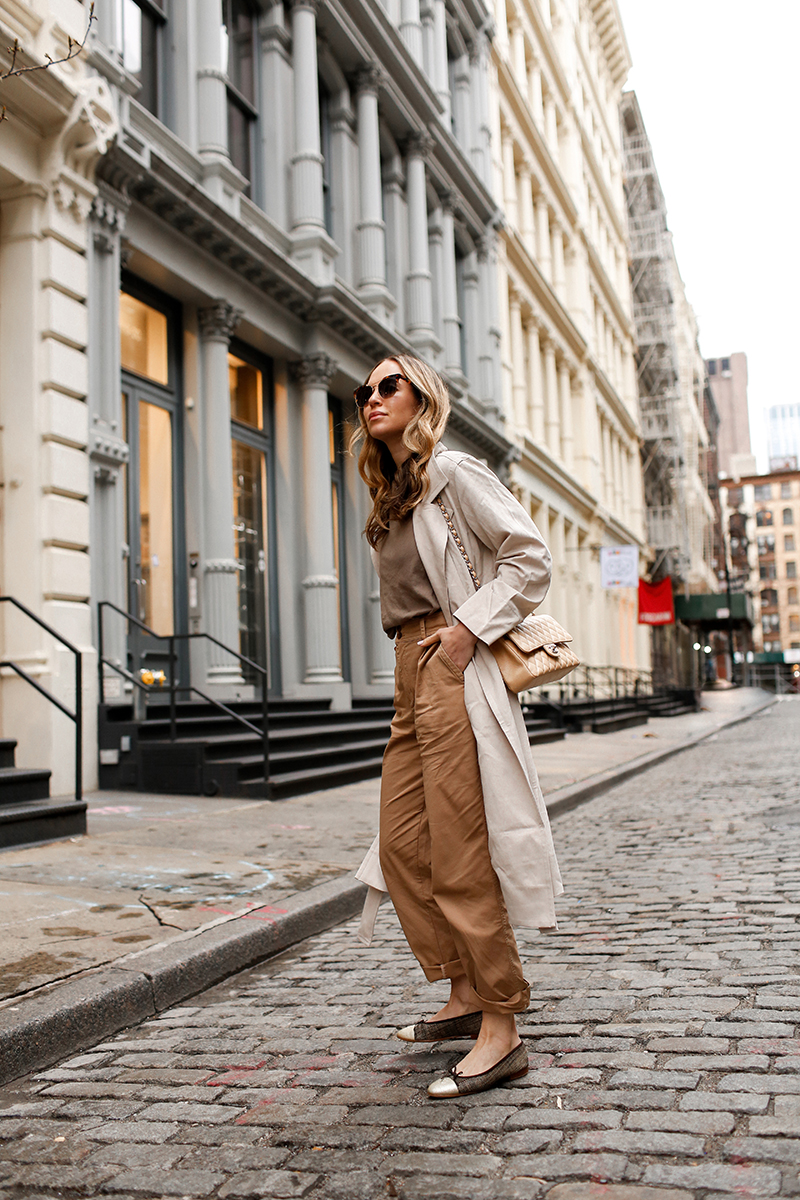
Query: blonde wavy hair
394	490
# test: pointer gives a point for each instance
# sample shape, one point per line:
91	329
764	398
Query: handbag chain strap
458	542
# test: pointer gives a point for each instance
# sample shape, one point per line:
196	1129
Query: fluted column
320	584
441	75
220	569
411	28
472	319
371	229
565	405
307	201
544	248
481	118
535	386
451	320
551	399
419	318
490	387
212	105
518	380
462	102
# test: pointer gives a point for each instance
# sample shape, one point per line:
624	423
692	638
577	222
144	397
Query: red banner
655	603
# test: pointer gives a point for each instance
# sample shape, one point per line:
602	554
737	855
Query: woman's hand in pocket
457	641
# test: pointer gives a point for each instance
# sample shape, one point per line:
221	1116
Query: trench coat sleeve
523	562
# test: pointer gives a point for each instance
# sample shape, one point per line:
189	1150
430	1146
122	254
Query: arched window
788	517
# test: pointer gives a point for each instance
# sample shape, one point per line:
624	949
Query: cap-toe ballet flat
468	1025
513	1066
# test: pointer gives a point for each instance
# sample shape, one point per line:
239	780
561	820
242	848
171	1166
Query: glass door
250	382
249	528
156	568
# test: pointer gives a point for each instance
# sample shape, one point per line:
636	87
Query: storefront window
247	392
143	340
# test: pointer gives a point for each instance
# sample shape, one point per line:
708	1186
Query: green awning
710	609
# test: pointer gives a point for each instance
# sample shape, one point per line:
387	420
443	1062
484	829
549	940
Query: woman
464	847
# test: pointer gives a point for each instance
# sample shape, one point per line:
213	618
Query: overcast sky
717	85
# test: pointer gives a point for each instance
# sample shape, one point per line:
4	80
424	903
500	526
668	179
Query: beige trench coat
513	564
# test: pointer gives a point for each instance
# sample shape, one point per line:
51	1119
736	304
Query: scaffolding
664	464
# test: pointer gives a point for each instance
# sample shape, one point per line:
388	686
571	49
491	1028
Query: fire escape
664	464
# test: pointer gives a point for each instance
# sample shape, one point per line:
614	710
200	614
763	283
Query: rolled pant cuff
448	970
515	1004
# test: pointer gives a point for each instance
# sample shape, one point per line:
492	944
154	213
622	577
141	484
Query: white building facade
567	338
211	227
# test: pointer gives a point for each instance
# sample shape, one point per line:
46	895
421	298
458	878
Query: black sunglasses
386	388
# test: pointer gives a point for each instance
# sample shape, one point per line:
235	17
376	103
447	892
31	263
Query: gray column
320	584
461	102
419	316
308	210
220	569
371	229
441	75
275	96
491	388
451	320
481	116
411	28
108	451
212	110
472	320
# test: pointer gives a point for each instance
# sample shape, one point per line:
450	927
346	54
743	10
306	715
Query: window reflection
246	389
138	25
143	339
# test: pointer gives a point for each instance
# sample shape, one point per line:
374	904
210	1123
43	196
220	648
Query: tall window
239	64
139	23
788	517
326	146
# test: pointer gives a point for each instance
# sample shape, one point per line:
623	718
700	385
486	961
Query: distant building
728	379
784	435
762	517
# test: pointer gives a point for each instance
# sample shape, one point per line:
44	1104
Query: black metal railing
77	715
176	685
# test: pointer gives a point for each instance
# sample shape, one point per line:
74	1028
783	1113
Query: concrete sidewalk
166	894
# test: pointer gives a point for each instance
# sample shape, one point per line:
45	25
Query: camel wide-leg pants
434	848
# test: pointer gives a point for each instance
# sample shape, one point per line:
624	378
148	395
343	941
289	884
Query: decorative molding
320	581
419	144
220	566
218	321
315	370
368	78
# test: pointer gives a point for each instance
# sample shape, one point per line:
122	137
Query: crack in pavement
162	923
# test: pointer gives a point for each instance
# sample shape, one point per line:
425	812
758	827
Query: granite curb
70	1015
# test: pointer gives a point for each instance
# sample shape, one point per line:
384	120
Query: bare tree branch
73	50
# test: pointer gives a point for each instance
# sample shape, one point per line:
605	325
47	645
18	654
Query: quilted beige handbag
535	652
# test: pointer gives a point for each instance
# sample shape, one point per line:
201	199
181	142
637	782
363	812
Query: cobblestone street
663	1034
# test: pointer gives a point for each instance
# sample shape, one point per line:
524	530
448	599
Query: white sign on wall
619	566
